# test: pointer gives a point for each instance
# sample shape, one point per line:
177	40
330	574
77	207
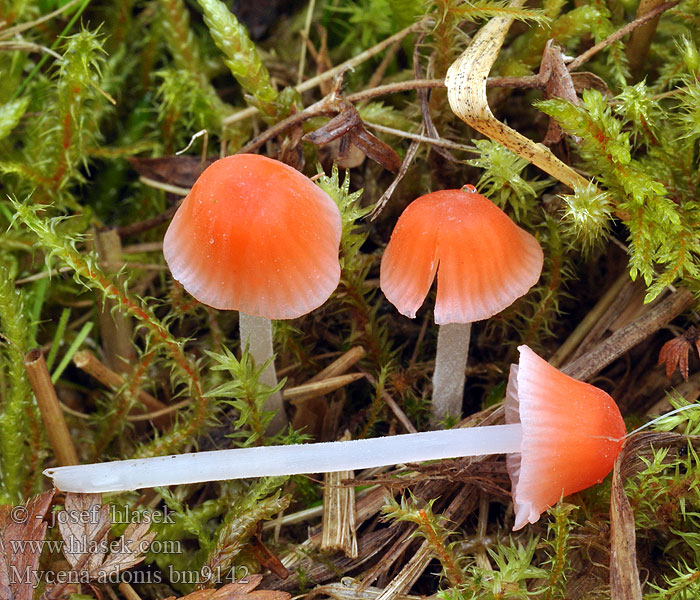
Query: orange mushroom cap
572	433
256	235
486	261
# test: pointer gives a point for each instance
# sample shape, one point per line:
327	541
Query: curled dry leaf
674	353
466	92
22	529
238	590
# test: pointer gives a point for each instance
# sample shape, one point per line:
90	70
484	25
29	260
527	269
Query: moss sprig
18	408
660	217
431	527
261	501
242	58
244	392
86	272
502	180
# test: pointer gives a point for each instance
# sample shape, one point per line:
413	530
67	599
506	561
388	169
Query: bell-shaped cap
256	235
572	434
484	261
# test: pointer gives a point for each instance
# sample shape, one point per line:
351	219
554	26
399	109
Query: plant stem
51	413
256	335
450	365
260	461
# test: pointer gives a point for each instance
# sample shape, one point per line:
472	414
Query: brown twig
623	339
331	73
88	362
51	414
619	34
395	408
145	225
341	364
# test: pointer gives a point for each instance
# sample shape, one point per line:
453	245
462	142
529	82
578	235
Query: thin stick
619	34
5	33
88	362
588	321
29	47
116	328
128	591
394	407
422	138
341	364
51	414
153	416
623	339
314	389
331	73
166	187
305	35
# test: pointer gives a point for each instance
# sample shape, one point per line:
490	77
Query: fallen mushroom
484	262
563	435
257	236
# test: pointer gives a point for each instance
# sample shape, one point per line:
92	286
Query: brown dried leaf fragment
128	550
182	171
557	84
22	529
80	525
674	353
239	590
349	128
85	529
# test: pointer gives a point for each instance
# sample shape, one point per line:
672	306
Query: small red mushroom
561	436
572	434
484	262
257	236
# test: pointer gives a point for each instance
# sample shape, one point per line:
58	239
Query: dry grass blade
623	339
319	388
339	526
25	524
624	573
348	589
466	91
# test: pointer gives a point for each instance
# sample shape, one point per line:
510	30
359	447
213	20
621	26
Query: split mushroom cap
572	434
256	235
484	261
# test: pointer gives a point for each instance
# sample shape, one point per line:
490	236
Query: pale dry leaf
238	590
466	92
22	531
81	521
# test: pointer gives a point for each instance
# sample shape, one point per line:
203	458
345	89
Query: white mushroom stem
256	333
294	459
450	364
